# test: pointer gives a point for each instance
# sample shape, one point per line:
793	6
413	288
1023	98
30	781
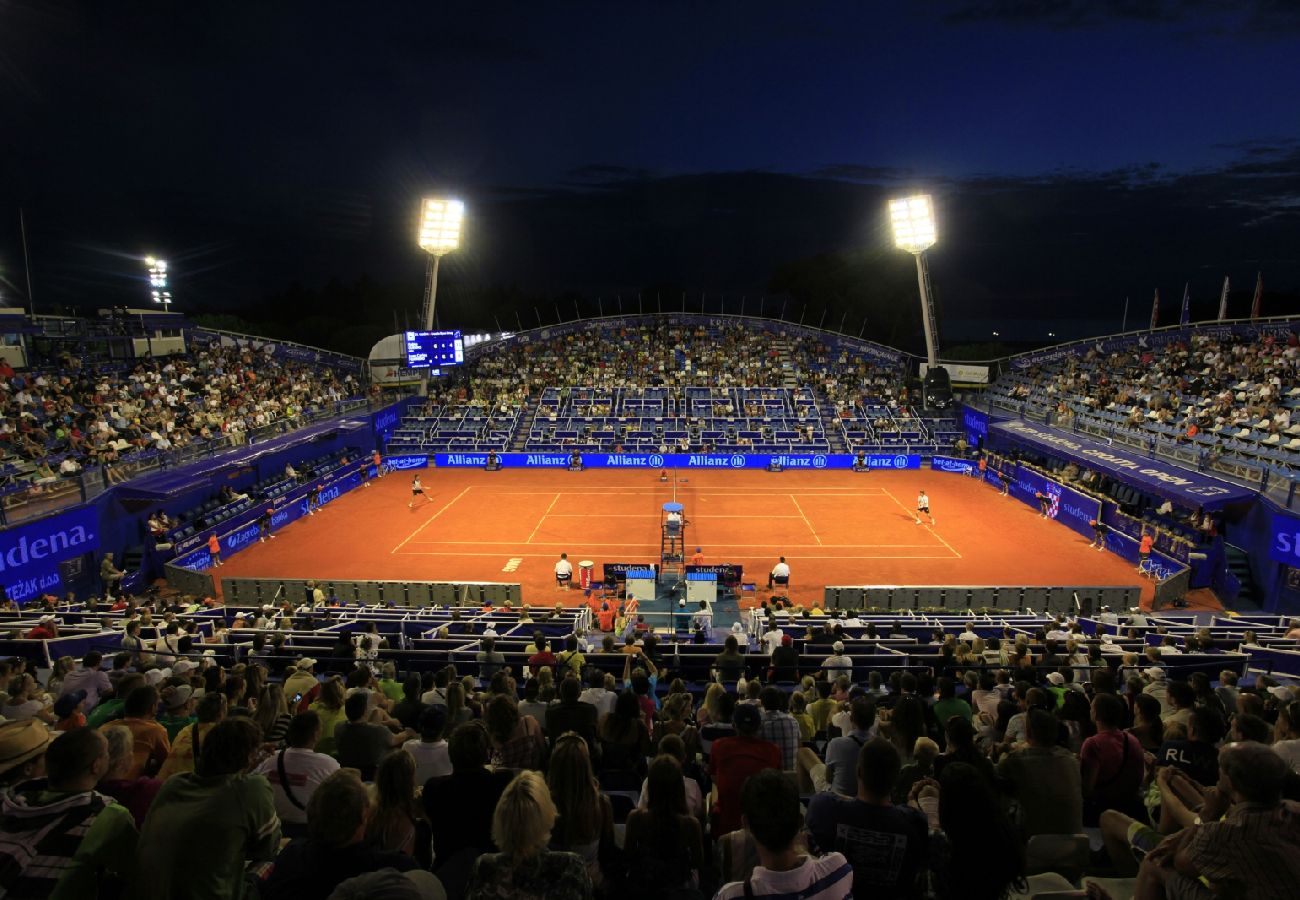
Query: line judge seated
779	576
563	572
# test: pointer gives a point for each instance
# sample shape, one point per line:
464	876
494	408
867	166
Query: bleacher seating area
72	414
724	387
891	684
1214	399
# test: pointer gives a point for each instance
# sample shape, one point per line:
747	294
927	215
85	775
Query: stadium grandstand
607	573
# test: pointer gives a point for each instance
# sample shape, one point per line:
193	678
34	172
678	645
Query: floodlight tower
440	223
914	231
158	291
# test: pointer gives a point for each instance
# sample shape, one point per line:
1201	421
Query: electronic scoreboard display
431	349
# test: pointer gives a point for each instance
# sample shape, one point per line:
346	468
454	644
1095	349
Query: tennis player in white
417	490
923	506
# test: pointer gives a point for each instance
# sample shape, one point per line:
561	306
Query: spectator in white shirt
838	664
89	678
430	751
597	696
304	769
564	571
780	574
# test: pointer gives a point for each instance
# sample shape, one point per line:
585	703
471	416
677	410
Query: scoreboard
431	349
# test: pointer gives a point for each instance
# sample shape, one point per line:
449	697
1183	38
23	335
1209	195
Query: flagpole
1223	300
1124	328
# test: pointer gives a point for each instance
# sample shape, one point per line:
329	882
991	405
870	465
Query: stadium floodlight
158	291
914	231
440	223
913	219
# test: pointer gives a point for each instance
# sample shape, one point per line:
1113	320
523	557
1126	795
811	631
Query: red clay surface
836	528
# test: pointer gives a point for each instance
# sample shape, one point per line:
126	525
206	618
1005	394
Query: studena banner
30	554
1066	505
660	460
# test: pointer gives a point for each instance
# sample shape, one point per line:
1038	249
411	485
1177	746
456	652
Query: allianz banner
663	460
30	554
1067	506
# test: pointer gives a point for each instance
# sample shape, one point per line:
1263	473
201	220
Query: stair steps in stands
831	425
1239	565
520	440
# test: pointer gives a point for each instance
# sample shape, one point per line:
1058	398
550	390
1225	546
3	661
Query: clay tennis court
837	528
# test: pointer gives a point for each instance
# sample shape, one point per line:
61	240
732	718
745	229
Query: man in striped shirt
1253	851
769	806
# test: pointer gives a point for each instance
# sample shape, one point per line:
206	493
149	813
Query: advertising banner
976	423
30	554
1285	545
961	373
663	460
952	464
1164	479
1068	506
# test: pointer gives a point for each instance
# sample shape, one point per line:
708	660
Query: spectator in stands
329	706
409	708
729	665
571	714
152	745
597	696
1044	778
26	701
521	827
1111	762
771	815
779	726
517	740
906	723
1286	734
1196	755
855	825
430	751
1180	700
585	818
188	746
785	662
972	820
204	827
489	659
301	687
664	844
1147	726
334	850
295	772
45	629
960	748
59	837
361	743
837	664
178	704
542	655
472	790
89	678
1254	851
839	772
733	759
136	794
392	823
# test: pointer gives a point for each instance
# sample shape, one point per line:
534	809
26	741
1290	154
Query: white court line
819	492
430	519
928	527
543	518
805	518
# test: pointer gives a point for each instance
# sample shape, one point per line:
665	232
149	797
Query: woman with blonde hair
710	711
586	819
525	869
273	713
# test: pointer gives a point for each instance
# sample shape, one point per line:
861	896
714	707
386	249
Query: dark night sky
1080	151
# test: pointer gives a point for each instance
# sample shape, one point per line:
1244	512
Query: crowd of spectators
1210	387
56	421
167	775
664	354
